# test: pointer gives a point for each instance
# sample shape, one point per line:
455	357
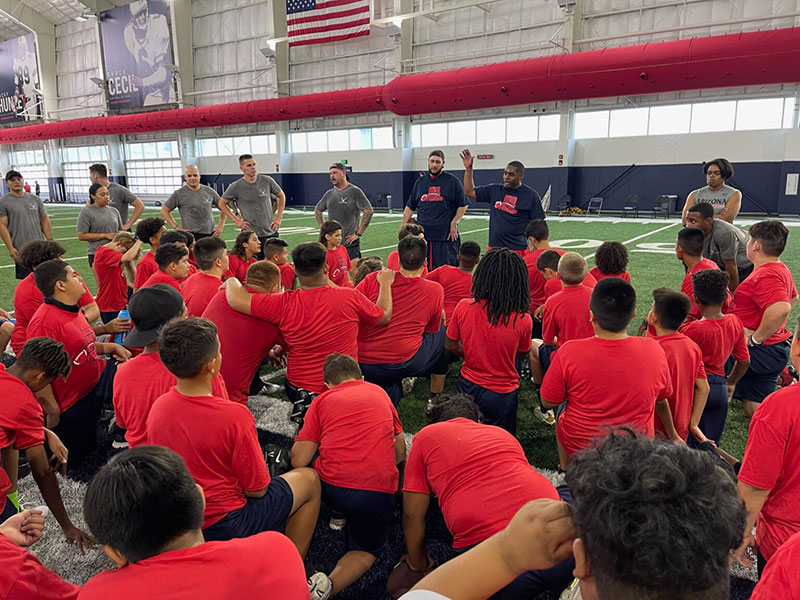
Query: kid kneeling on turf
359	484
611	260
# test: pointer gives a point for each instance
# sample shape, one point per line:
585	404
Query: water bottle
123	314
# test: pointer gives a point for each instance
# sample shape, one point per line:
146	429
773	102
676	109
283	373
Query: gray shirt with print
93	219
253	201
718	199
345	206
24	214
725	242
194	207
120	198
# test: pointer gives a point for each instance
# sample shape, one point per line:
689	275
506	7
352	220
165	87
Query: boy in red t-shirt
719	336
491	331
212	261
153	533
457	285
393	260
547	263
538	234
276	251
173	266
149	231
413	342
689	250
481	478
679	415
114	269
217	438
611	260
781	573
339	265
361	485
607	380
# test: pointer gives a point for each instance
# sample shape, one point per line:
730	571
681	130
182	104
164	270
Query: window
763	113
360	139
461	133
549	128
317	141
76	171
713	116
666	120
416	136
32	165
591	125
298	142
142	150
522	129
236	146
788	113
382	138
154	177
434	134
338	140
628	122
491	131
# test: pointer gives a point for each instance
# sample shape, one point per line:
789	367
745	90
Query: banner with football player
137	46
19	80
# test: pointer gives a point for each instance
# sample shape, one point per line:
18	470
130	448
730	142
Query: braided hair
501	279
47	355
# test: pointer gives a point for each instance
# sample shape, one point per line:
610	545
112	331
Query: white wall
77	59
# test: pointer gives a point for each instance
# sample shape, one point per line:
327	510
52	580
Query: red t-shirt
217	439
685	362
23	577
198	290
393	263
457	285
417	306
607	383
162	277
210	571
598	274
315	323
237	267
688	288
144	268
241	360
536	280
566	315
72	330
490	350
478	472
134	394
27	298
354	414
781	577
772	462
112	287
287	275
718	339
339	266
554	284
768	284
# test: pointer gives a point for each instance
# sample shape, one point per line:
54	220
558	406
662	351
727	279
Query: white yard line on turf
639	237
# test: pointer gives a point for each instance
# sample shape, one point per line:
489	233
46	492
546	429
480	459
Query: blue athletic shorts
498	409
767	362
546	356
368	514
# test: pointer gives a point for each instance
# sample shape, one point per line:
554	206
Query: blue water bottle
123	314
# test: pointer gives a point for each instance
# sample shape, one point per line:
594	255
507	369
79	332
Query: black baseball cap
341	167
12	174
150	308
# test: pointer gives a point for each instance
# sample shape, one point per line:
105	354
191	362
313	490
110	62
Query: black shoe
300	407
117	435
278	460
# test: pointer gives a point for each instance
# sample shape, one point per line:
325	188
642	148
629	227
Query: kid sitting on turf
112	263
149	231
719	336
679	414
360	485
365	266
339	265
611	260
608	380
147	511
491	331
415	229
173	265
689	250
217	438
457	285
276	251
245	248
212	260
538	234
547	263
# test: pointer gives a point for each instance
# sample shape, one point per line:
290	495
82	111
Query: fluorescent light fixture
97	81
397	21
268	52
171	68
85	16
393	30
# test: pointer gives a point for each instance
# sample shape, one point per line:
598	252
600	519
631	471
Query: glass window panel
416	136
259	144
224	146
135	151
549	127
591	125
666	120
83	154
360	139
98	153
382	138
713	116
298	142
788	113
150	150
434	134
317	141
241	145
207	147
522	129
461	133
628	122
761	113
273	145
491	131
338	140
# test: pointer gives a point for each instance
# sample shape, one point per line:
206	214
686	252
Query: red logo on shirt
508	204
433	195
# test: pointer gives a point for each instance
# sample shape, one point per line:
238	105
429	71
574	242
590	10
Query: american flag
319	21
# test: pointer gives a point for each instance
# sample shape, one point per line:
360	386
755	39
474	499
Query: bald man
194	202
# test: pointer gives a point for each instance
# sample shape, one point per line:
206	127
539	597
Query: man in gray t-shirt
252	196
23	219
725	244
120	196
344	203
194	203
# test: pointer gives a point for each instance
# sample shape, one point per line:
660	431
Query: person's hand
385	277
126	227
120	352
118	325
677	440
59	450
277	356
741	555
111	236
467	158
79	538
537	314
731	389
539	536
453	235
24	528
276	223
698	435
12	252
217	231
4	314
242	224
642	328
351	239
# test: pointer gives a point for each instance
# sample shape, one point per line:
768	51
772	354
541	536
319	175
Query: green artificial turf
649	269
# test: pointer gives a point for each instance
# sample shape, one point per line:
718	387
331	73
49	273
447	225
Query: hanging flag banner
319	21
19	80
137	48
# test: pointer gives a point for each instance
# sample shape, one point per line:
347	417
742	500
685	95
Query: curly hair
367	265
34	253
611	258
452	406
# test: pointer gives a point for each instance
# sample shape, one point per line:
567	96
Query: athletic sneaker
547	417
269	388
117	435
338	521
408	384
320	586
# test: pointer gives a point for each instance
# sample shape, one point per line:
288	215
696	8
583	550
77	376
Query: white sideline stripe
639	237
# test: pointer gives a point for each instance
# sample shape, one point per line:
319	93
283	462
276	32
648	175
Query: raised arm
469	184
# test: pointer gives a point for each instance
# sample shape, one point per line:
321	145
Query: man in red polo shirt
482	478
113	262
240	367
217	438
73	405
212	262
173	266
316	319
413	342
149	231
763	305
689	250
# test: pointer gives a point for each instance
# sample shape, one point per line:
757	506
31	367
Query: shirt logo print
433	194
507	204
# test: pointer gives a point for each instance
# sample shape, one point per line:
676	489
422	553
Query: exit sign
485	156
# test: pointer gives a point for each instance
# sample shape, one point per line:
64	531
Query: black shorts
353	250
498	409
199	236
546	356
368	515
443	252
767	362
